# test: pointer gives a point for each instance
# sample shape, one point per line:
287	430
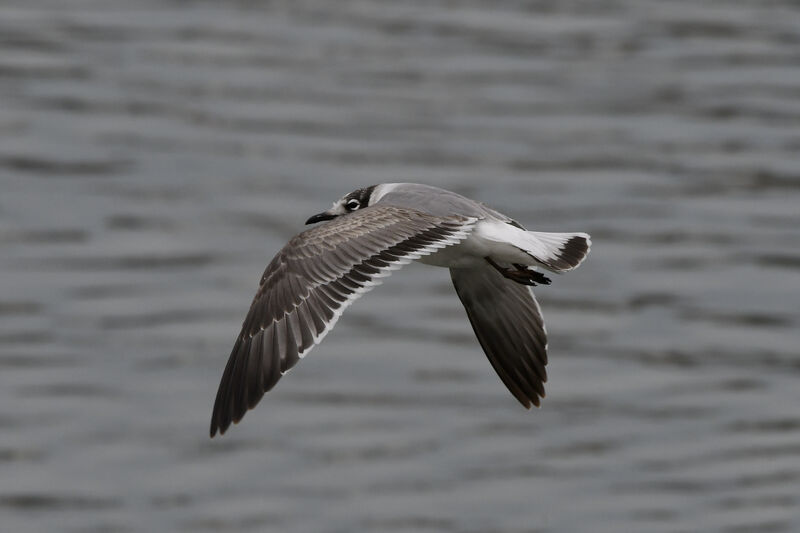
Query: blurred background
154	157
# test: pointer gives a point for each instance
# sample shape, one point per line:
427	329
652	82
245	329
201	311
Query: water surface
154	157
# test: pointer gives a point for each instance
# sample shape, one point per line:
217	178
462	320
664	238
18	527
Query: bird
494	264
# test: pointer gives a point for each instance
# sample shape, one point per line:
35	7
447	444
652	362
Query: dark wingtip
217	417
220	419
212	432
215	426
220	426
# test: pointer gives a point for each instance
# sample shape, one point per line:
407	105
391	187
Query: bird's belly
473	250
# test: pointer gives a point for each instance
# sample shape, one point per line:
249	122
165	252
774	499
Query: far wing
508	323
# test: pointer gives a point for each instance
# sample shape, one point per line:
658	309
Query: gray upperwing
308	285
508	323
435	201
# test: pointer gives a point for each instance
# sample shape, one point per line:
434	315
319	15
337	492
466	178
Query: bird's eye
352	204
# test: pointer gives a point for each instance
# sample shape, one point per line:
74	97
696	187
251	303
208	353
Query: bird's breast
468	253
490	238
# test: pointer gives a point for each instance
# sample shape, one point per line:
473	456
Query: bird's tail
557	252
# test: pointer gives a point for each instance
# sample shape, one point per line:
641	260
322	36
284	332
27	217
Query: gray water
155	155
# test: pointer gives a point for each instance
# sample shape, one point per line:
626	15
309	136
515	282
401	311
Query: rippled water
153	158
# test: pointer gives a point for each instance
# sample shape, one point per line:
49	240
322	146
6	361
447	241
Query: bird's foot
537	277
520	274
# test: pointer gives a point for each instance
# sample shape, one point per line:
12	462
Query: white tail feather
507	243
557	252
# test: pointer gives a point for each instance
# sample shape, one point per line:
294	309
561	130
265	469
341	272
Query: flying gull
367	234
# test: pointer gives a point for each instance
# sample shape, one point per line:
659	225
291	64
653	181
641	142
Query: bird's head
358	199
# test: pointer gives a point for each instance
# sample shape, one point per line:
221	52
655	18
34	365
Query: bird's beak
319	217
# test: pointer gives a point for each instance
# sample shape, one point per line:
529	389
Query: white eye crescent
352	204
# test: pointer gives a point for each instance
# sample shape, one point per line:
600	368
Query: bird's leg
538	277
520	274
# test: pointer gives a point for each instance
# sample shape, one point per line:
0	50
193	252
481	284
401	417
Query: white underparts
504	243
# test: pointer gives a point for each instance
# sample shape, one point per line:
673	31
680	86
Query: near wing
509	326
310	282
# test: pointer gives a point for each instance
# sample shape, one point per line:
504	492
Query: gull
366	235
